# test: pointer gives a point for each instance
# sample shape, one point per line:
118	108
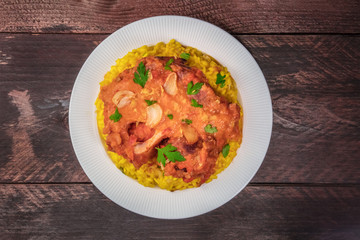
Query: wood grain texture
37	75
313	81
81	212
236	17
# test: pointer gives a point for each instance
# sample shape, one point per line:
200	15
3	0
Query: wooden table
308	186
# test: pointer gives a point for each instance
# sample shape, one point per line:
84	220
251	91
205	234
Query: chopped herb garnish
141	76
170	116
187	121
170	152
116	116
194	103
220	80
210	129
225	150
194	89
149	102
185	56
167	65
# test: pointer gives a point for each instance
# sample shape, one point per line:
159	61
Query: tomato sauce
143	127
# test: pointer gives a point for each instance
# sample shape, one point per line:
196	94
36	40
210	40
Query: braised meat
160	111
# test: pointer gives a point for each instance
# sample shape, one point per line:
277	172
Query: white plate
155	202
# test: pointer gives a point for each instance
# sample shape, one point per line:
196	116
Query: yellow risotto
150	175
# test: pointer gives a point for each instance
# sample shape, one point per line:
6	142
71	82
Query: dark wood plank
309	63
313	80
44	58
36	145
236	17
37	75
81	212
314	83
315	139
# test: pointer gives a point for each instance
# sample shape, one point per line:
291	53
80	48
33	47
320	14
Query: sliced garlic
154	115
201	159
190	134
148	144
122	98
150	76
170	85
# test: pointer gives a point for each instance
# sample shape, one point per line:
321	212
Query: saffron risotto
149	174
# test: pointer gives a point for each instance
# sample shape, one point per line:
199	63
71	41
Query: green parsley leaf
194	103
185	56
210	129
141	76
187	121
194	89
116	116
170	152
167	65
170	116
149	102
225	150
220	80
160	158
